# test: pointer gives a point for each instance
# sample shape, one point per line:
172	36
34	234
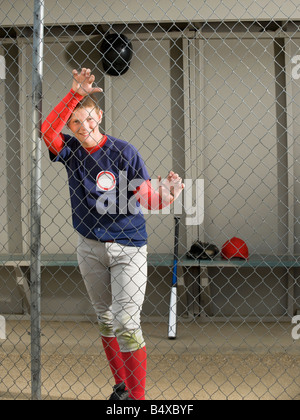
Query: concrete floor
206	361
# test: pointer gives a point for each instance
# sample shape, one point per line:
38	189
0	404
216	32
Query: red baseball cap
235	248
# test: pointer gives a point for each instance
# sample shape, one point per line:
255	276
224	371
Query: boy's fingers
97	90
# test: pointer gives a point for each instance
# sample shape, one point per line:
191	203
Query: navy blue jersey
102	186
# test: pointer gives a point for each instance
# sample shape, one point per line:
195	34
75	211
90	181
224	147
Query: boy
108	182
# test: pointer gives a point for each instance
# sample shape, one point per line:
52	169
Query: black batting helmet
117	53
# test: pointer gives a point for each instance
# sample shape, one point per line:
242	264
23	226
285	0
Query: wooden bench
200	270
162	260
196	273
197	280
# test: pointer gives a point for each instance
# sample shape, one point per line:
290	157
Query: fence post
35	223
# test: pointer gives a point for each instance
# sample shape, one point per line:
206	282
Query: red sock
136	369
114	357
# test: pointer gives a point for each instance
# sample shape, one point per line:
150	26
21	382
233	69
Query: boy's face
84	124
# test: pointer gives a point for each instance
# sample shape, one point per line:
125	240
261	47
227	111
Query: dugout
214	101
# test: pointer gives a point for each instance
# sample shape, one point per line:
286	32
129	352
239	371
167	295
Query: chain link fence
212	92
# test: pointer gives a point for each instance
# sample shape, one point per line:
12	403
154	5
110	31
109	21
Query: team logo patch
106	181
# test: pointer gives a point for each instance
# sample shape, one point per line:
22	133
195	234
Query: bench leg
192	287
198	296
206	301
23	287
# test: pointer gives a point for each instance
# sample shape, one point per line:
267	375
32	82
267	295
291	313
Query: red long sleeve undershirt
57	119
52	134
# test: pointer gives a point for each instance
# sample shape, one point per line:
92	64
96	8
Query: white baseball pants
115	277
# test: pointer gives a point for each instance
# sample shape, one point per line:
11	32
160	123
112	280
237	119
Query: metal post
35	263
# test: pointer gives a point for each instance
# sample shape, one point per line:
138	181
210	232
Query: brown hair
89	101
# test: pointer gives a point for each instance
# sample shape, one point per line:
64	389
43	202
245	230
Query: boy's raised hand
83	82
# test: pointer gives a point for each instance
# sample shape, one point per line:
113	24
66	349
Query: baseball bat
172	331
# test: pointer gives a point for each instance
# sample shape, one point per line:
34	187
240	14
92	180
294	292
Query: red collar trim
99	146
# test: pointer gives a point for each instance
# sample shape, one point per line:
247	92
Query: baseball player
108	184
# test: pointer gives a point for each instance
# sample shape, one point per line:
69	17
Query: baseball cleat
119	392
